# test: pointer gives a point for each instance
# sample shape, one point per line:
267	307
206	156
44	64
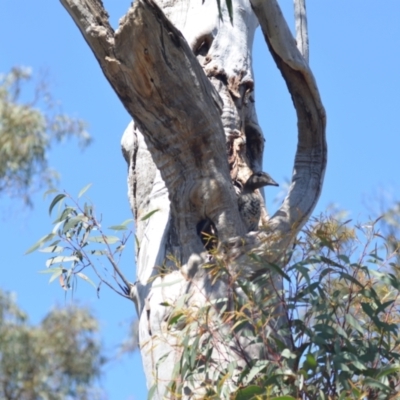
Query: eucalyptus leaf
52	270
148	215
249	392
85	278
56	199
259	366
44	239
52	249
104	239
56	275
50	191
59	259
83	191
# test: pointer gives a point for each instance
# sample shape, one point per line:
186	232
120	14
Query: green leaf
148	215
88	209
104	239
382	307
137	243
303	271
47	192
83	191
161	359
56	199
268	265
52	270
375	384
351	279
194	349
219	10
48	237
359	365
286	353
175	319
44	239
122	226
152	391
56	274
118	227
73	222
98	252
328	261
33	248
368	310
112	239
65	214
249	392
344	258
230	10
52	249
388	371
310	362
354	323
58	259
120	248
85	278
257	368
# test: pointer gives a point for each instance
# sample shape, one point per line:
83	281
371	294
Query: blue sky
354	53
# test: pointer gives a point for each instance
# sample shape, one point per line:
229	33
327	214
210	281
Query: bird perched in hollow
250	202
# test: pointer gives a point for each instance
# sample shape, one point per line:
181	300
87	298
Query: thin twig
118	271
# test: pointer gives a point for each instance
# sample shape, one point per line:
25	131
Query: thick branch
311	154
92	20
163	87
176	108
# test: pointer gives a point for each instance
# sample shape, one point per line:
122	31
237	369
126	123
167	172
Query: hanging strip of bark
311	155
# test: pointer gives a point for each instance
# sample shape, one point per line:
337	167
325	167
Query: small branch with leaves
77	239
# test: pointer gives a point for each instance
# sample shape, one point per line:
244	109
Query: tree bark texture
186	79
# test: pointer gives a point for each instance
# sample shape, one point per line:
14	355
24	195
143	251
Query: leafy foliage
341	337
78	242
27	133
391	227
58	359
332	334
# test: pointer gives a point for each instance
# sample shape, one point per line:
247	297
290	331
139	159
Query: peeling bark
186	79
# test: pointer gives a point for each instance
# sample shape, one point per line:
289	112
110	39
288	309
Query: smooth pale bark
300	18
186	79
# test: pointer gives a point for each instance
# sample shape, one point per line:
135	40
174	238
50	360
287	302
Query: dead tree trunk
186	79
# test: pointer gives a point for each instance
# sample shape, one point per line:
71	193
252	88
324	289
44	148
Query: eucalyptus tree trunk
186	79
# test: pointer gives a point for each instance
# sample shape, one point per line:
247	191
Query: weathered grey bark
186	79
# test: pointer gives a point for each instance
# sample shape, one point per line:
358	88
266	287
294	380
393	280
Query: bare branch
311	154
118	271
92	20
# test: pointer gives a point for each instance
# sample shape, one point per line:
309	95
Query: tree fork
190	99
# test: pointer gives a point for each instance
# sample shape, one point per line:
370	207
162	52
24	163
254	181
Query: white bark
191	100
300	18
